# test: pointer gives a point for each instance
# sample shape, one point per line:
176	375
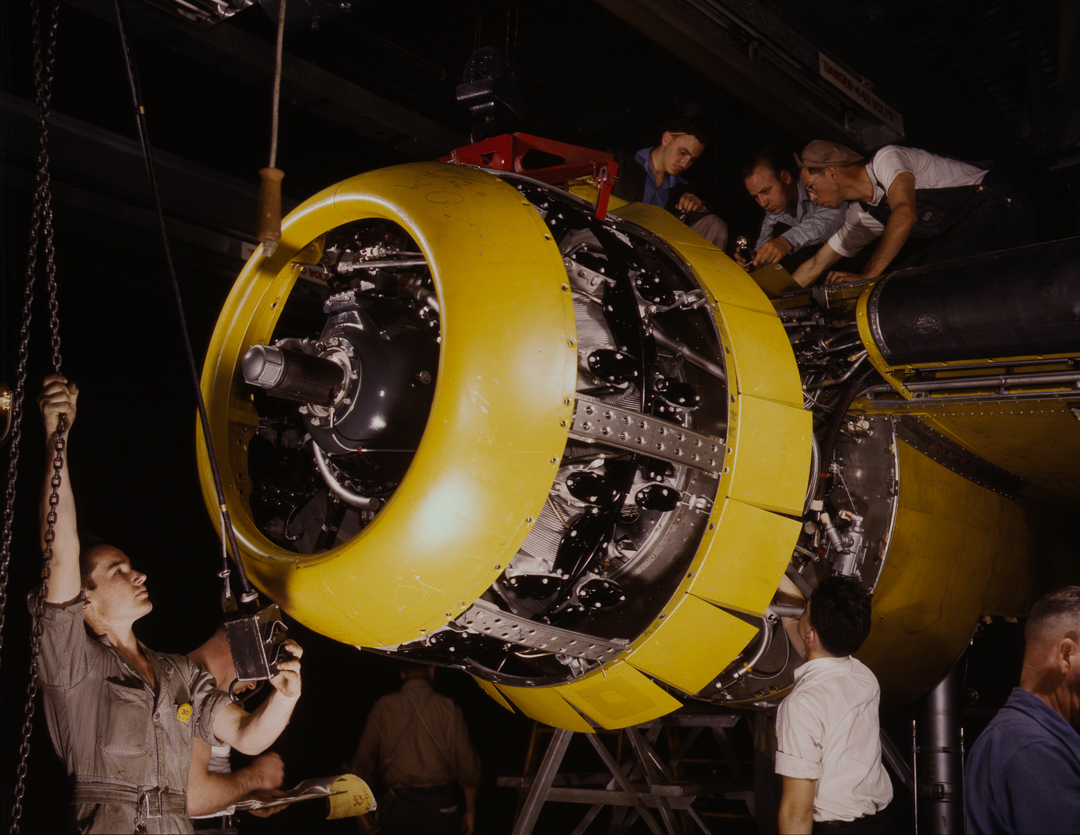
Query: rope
277	85
247	593
268	218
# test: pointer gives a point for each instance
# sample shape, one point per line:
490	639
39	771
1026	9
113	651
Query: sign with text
861	94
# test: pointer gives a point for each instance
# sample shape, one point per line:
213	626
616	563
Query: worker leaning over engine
654	175
792	220
122	717
960	208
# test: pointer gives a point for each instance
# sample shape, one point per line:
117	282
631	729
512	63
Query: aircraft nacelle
589	462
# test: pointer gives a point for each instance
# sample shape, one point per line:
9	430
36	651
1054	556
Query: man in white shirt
828	745
959	208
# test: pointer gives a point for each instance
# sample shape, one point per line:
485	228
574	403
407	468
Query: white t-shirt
929	171
827	730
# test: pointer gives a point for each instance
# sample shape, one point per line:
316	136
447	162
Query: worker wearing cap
958	208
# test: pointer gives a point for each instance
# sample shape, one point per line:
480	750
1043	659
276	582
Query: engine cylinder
292	375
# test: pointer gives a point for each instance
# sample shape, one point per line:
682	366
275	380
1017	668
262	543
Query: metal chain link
38	615
40	228
41	236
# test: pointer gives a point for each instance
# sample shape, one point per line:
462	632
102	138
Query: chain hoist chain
41	236
44	198
13	459
41	222
38	616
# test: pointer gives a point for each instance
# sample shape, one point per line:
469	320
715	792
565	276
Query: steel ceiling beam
248	59
945	109
745	48
103	173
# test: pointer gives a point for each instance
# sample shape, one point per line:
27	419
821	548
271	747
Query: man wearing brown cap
956	208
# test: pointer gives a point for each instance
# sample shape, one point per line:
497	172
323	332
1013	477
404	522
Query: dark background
990	88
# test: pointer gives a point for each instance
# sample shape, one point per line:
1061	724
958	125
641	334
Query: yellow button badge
183	713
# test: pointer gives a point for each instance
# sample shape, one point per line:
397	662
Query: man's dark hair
690	127
768	158
1056	612
840	614
87	543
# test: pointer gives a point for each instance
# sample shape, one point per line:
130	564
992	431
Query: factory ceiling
366	84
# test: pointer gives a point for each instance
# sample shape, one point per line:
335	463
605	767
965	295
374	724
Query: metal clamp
487	619
148	809
595	420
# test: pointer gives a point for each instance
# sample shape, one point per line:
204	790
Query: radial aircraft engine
588	461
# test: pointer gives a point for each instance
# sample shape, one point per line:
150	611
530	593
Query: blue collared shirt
1023	773
810	223
657	195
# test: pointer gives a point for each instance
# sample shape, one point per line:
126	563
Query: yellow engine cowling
495	438
619	383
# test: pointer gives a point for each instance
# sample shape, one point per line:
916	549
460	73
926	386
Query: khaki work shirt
119	740
416	737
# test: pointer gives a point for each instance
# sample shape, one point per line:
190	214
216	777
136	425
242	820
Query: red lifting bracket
550	162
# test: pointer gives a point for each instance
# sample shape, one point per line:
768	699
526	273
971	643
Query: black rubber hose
847	397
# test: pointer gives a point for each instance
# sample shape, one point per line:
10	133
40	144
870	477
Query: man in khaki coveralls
121	716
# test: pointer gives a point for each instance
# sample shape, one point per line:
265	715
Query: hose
832	431
766	641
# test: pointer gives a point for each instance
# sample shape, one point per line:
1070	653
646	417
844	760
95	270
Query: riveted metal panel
768	455
745	557
618	696
958	551
675	650
546	704
493	691
759	350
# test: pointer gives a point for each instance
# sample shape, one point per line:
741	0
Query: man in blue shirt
654	176
792	220
1023	773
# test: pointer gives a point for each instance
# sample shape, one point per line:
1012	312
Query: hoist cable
276	99
268	219
41	237
247	594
